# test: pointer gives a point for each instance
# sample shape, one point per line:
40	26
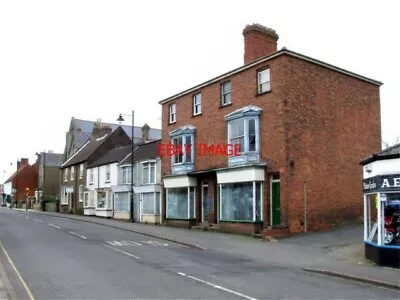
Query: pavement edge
4	278
354	278
130	230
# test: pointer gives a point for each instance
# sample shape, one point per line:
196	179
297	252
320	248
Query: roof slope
144	151
16	172
87	150
388	153
112	156
87	126
283	51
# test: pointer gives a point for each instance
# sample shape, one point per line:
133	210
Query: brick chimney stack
259	41
22	162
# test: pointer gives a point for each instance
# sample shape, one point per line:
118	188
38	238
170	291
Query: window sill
237	221
171	123
107	181
263	93
197	115
225	105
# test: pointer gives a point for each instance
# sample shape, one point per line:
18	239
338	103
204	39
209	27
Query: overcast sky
95	59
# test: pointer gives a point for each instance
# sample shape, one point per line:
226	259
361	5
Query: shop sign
382	183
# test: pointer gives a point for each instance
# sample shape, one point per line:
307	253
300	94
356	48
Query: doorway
204	202
275	201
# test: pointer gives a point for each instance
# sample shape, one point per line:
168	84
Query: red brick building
24	181
303	126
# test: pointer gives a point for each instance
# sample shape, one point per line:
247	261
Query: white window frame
263	86
126	170
184	158
81	193
64	197
108	173
148	164
81	171
91	176
72	172
86	199
224	93
245	121
66	174
172	113
197	104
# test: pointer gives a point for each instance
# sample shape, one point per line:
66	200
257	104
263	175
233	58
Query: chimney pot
259	41
145	132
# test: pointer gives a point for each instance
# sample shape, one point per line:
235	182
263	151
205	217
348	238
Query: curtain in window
177	203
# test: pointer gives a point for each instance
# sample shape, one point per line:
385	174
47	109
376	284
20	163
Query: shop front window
121	202
101	199
241	201
181	203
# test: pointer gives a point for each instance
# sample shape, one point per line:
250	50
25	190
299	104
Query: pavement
60	258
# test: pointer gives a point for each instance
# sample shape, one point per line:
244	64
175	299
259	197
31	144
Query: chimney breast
259	41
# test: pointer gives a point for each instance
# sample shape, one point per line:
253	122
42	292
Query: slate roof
51	159
388	153
144	151
112	156
87	127
86	150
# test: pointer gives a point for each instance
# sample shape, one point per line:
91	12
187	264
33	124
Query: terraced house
302	125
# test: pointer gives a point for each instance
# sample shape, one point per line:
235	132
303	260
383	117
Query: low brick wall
51	207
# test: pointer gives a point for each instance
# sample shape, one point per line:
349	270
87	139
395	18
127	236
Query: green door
276	203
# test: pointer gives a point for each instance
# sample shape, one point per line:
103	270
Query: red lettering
219	150
161	150
188	148
208	149
170	150
236	151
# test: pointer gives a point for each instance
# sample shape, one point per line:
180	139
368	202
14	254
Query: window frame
223	93
172	113
197	103
254	202
81	171
148	165
91	176
66	174
81	192
260	83
72	172
108	173
126	174
246	135
189	202
183	136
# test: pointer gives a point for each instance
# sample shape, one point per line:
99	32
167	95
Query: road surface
50	257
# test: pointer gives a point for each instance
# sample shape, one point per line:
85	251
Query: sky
96	59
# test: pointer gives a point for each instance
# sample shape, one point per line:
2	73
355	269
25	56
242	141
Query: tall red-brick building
24	181
302	124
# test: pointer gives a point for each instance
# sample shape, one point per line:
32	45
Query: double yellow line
28	291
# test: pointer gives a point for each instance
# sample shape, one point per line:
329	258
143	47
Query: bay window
148	172
183	146
181	203
241	201
101	199
244	132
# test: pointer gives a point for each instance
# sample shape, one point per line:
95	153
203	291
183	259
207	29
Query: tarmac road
57	258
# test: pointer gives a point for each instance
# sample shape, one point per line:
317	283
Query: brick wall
332	121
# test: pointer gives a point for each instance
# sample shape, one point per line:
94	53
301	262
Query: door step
276	232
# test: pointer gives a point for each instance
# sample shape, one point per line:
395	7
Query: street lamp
121	119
